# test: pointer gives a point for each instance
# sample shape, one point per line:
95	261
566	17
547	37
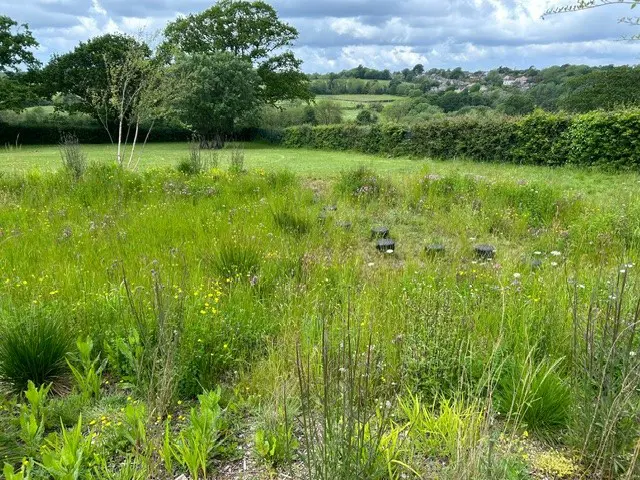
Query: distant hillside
577	88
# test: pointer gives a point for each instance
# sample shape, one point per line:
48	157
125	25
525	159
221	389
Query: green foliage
88	372
237	259
23	474
445	432
534	394
361	184
198	161
219	93
604	139
275	442
196	445
67	455
83	73
327	112
366	117
346	427
236	162
607	140
32	418
250	31
602	89
291	221
34	352
606	373
15	46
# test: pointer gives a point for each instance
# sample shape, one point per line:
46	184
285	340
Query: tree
590	4
602	89
366	117
517	104
328	112
494	78
16	44
418	69
84	74
251	31
219	94
138	91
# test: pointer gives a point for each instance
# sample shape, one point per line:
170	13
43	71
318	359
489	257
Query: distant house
522	82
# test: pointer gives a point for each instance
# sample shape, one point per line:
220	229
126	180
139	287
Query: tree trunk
215	143
133	145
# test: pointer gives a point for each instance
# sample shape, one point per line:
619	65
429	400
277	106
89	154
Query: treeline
212	88
603	139
572	88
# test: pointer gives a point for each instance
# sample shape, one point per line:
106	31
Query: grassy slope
328	164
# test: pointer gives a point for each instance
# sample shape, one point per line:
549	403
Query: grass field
322	164
349	103
245	323
353	100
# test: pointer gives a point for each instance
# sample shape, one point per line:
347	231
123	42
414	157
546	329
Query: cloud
337	34
97	8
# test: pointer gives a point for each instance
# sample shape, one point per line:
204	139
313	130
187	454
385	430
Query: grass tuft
35	352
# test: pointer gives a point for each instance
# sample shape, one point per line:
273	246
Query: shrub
36	351
366	117
597	138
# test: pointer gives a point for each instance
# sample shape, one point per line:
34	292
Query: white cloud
337	34
97	8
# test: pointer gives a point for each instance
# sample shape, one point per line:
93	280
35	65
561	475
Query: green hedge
50	134
606	139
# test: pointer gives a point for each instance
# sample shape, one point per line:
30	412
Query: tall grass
74	160
36	352
394	366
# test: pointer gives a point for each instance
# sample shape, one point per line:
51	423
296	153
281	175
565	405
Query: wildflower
556	253
517	276
632	354
554	264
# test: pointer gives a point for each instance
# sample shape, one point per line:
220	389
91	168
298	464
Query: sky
341	34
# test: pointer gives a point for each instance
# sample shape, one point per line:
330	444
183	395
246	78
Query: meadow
250	318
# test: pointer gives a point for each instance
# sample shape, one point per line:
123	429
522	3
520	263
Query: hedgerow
604	139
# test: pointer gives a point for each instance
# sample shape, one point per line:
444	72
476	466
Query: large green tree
219	94
86	74
251	31
16	52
